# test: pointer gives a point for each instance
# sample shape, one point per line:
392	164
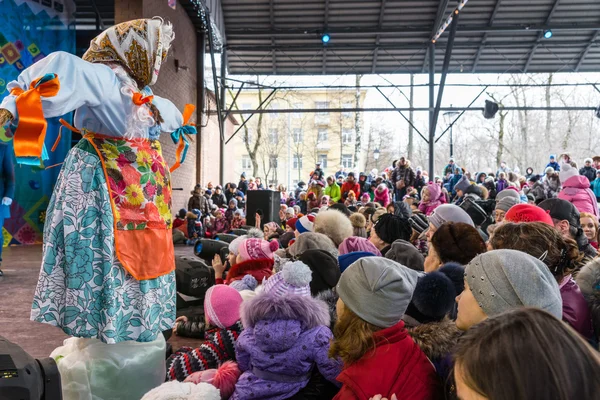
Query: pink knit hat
434	191
257	249
354	243
222	306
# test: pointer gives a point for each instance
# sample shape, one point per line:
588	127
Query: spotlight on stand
24	377
490	110
325	38
547	34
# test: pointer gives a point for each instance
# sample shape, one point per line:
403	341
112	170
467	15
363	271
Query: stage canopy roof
392	36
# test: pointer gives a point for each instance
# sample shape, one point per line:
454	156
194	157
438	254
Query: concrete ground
21	266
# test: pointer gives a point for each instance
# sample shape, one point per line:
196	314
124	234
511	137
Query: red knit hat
528	213
257	249
292	223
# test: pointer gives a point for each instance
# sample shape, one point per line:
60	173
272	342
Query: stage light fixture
547	34
325	38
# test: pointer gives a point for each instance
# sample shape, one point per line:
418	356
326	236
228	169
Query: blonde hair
353	337
594	219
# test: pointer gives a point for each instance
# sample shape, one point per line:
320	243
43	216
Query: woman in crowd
379	356
525	354
359	224
453	242
576	190
382	195
501	280
589	224
447	213
560	255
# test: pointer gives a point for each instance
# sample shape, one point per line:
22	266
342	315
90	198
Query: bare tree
411	117
357	122
548	99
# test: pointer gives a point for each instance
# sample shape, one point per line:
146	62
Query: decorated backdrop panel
29	30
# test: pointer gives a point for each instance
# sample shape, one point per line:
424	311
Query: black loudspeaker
226	237
193	277
490	109
206	249
264	202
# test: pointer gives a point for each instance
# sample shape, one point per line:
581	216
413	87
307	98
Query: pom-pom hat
293	279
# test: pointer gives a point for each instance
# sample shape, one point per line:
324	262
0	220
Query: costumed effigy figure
107	273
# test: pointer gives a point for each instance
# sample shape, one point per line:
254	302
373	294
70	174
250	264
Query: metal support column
431	96
200	93
222	115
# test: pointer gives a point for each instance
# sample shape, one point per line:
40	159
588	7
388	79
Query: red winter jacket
347	187
396	366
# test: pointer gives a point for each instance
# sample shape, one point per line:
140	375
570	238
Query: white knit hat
183	391
566	172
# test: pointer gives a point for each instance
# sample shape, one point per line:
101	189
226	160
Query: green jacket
334	192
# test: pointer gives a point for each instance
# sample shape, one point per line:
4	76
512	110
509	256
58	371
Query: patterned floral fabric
139	181
82	288
139	46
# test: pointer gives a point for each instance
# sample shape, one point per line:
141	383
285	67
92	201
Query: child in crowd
220	223
525	354
370	337
502	182
286	335
382	195
238	219
313	201
302	203
325	201
351	199
252	257
179	218
431	198
222	315
194	225
595	186
233	206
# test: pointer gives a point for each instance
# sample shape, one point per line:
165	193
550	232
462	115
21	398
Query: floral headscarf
139	46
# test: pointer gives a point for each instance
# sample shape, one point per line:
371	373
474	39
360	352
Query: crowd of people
395	285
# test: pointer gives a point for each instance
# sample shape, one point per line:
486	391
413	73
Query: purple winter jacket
284	338
576	311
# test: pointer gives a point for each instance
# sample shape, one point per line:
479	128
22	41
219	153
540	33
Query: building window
321	117
273	136
273	162
246	163
274	106
297	135
323	160
297	161
347	136
347	114
297	115
347	161
322	135
246	106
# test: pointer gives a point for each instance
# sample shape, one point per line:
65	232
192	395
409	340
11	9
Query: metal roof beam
485	35
375	30
540	35
376	52
587	50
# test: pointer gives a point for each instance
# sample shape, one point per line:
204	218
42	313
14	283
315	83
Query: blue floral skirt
82	287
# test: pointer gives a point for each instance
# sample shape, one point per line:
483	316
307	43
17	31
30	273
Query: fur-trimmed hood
259	269
588	280
265	306
330	298
436	339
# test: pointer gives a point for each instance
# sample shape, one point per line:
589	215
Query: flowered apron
139	183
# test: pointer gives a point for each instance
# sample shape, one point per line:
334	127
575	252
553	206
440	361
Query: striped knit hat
305	224
222	306
294	279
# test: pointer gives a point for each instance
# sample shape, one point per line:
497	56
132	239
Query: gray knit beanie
378	290
463	184
501	280
508	193
449	213
506	203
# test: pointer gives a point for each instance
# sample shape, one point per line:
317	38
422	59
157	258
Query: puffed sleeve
173	119
81	83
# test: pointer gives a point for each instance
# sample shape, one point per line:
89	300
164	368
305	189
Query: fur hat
405	253
312	240
358	220
353	243
222	306
248	282
294	279
334	225
433	298
325	270
457	241
223	378
566	172
257	249
305	223
175	390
